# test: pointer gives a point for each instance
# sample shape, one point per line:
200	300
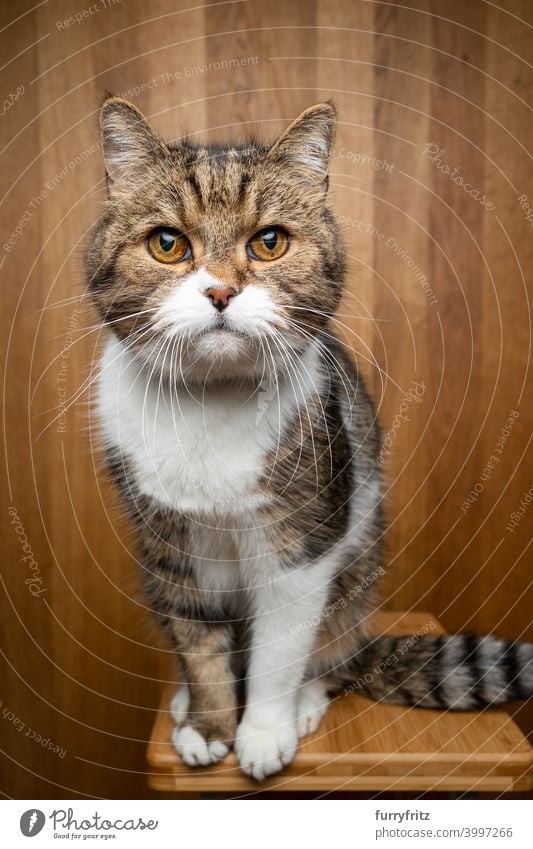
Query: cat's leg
312	705
207	707
179	705
286	606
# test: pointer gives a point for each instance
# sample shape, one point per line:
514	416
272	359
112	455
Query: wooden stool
369	747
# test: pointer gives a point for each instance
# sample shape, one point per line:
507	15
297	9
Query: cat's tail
446	672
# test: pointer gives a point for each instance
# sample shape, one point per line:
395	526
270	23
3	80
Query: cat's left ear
129	143
307	143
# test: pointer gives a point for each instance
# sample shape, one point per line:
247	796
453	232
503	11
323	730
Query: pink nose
220	297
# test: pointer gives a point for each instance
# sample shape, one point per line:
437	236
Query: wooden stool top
370	747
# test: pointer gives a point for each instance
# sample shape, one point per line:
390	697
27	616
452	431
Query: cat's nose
220	298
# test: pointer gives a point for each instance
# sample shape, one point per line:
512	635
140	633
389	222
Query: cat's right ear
129	144
307	143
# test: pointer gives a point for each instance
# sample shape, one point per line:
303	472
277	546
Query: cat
245	445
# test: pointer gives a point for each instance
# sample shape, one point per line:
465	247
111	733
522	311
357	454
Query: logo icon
32	822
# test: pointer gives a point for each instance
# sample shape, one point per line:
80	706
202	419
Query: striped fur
457	672
245	447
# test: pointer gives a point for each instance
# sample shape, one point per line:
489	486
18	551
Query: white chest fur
201	453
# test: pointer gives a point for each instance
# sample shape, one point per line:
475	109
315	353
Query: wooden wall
437	313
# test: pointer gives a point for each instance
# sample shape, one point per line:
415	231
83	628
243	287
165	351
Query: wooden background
81	663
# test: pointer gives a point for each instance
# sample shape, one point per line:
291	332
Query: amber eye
270	243
167	245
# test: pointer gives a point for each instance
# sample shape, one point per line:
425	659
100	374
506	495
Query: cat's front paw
265	750
195	750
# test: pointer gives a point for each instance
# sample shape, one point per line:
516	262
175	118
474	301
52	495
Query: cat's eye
168	245
270	243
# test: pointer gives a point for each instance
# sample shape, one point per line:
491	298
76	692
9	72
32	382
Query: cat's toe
195	750
312	706
179	705
264	751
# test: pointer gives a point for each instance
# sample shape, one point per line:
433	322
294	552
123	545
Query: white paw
265	751
179	705
312	706
195	750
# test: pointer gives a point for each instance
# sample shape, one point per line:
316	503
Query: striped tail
445	672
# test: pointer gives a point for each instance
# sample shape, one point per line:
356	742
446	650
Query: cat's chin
220	355
221	342
223	355
222	348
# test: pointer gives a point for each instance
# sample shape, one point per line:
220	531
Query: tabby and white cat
245	445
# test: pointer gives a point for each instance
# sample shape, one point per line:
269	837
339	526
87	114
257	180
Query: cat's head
223	261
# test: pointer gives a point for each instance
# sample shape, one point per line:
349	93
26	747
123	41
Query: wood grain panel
437	294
